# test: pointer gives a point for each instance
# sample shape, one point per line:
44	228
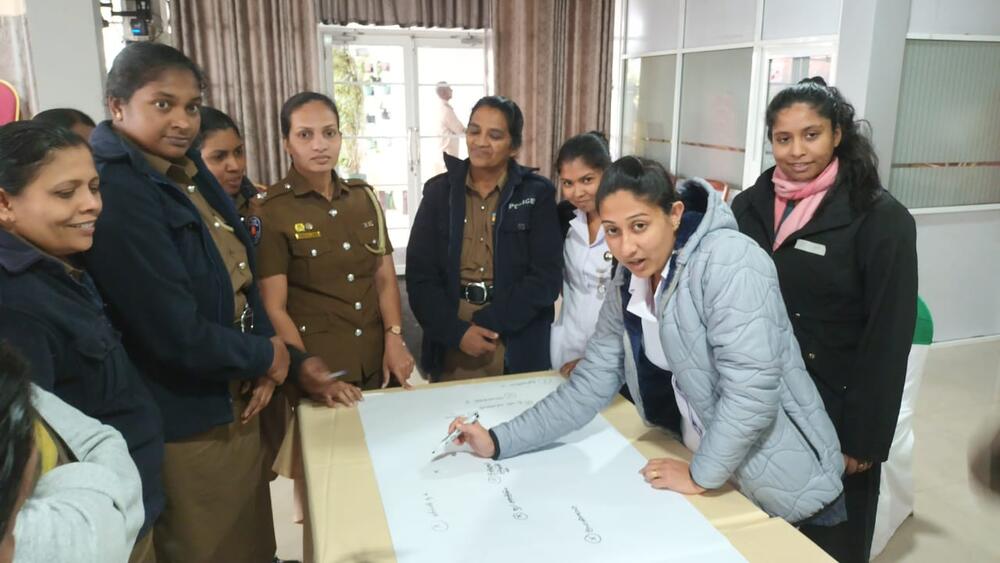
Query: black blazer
849	281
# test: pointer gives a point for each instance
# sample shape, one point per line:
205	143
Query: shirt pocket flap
311	248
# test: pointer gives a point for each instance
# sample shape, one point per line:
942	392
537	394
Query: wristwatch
395	329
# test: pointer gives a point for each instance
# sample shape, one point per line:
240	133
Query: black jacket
58	323
168	289
849	281
527	267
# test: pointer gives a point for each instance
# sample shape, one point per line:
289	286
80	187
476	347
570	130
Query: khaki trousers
218	498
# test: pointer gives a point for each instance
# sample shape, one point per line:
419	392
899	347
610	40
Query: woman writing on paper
695	326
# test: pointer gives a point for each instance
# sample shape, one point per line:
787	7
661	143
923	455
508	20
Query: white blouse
586	279
644	305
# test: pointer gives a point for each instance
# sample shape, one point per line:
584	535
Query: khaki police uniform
218	500
476	267
329	250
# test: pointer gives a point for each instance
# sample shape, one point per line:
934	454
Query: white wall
959	256
67	55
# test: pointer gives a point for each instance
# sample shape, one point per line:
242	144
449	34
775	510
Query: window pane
947	139
785	19
368	89
715	91
455	66
649	107
783	72
718	22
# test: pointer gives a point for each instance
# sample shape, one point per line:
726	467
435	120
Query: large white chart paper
579	499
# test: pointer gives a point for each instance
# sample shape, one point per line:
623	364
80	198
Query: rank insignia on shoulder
300	227
368	224
254	227
308	235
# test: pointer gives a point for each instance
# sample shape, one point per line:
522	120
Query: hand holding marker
455	434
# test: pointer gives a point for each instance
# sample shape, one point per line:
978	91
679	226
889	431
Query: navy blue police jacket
527	267
56	320
168	290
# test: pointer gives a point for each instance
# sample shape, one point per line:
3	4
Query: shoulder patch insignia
255	227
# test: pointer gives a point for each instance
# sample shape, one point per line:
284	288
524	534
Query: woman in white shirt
588	265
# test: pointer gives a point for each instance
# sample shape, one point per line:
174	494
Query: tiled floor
953	522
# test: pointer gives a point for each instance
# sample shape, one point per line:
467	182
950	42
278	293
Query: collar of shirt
500	183
642	304
181	171
581	228
301	186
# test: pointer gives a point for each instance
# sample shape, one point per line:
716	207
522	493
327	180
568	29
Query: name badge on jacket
811	247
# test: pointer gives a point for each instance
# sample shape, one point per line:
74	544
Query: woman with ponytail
845	252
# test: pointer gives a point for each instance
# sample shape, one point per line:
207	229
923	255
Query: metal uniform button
347	246
192	188
242	265
357	332
350	277
482	208
333	213
482	269
288	186
357	305
481	239
811	356
302	328
313	252
216	224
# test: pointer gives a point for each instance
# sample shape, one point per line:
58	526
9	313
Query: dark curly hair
858	163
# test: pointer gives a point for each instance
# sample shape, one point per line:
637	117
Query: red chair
10	103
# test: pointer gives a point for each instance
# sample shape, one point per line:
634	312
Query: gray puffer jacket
728	340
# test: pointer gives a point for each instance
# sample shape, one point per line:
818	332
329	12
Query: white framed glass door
780	66
390	88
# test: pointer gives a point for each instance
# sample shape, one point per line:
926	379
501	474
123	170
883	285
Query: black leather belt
478	293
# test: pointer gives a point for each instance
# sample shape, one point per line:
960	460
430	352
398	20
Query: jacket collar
108	146
834	212
18	255
458	170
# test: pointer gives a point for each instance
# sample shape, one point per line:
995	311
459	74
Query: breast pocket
95	348
317	261
187	234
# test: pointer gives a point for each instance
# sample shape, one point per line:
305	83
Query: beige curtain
554	59
255	53
467	14
15	62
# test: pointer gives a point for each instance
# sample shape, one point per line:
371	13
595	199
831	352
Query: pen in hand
455	434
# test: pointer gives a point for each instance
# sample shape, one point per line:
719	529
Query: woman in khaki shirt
327	276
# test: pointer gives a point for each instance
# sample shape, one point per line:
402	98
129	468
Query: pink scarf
808	196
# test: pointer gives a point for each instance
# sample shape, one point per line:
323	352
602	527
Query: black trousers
851	541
